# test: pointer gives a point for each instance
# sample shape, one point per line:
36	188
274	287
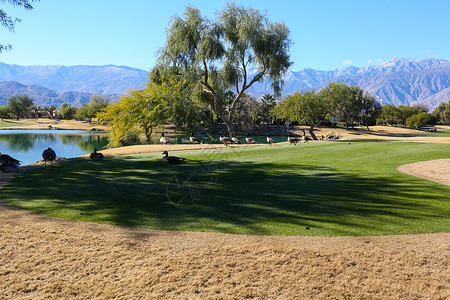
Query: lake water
27	145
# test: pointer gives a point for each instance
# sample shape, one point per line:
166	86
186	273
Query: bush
421	120
132	138
442	113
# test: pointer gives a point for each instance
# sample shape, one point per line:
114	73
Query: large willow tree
240	47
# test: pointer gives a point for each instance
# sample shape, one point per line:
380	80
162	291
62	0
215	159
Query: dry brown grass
43	257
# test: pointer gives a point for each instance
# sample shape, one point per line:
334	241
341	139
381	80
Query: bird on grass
292	139
305	138
6	159
9	164
9	168
225	140
193	139
250	140
163	140
270	140
96	155
49	155
235	140
172	159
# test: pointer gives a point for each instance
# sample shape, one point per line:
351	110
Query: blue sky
326	34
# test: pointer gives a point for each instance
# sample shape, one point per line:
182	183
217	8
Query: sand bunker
435	170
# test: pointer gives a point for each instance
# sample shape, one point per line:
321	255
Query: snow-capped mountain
398	81
108	79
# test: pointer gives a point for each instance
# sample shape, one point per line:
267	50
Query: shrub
421	120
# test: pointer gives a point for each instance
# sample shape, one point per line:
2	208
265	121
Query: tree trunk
311	132
148	133
230	126
228	120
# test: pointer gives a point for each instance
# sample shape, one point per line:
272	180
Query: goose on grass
9	168
49	155
6	159
193	139
235	140
175	160
96	155
9	164
293	140
225	140
305	138
270	140
250	140
163	140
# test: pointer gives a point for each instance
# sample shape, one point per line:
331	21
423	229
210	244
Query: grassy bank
330	188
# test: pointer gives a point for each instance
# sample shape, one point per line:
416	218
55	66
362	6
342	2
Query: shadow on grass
227	196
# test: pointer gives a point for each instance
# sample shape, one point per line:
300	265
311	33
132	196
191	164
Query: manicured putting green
331	188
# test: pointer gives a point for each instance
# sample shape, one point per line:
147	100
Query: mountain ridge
398	81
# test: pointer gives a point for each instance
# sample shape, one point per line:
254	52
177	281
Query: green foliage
370	110
442	113
20	106
345	102
307	108
420	120
333	188
97	104
240	38
164	99
10	22
248	111
268	103
66	111
391	114
4	111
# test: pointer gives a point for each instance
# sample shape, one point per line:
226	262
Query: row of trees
206	67
337	101
414	116
22	106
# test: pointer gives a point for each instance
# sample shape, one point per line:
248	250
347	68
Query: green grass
14	124
333	188
439	133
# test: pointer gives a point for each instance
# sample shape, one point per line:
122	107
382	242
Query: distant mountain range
399	81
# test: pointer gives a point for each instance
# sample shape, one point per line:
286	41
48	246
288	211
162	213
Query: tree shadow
229	196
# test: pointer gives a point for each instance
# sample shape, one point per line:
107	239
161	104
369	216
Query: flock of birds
226	141
234	140
10	164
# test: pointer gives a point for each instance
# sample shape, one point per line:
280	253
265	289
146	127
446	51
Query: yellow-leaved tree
141	111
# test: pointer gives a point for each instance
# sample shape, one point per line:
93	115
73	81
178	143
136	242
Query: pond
27	145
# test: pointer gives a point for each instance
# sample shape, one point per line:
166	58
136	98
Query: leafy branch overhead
219	54
10	22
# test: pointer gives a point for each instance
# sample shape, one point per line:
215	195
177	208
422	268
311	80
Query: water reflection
27	145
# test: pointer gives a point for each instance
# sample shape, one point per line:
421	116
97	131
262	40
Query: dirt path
43	257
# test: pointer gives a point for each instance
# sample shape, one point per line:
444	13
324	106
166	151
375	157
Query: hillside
399	81
43	96
87	79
